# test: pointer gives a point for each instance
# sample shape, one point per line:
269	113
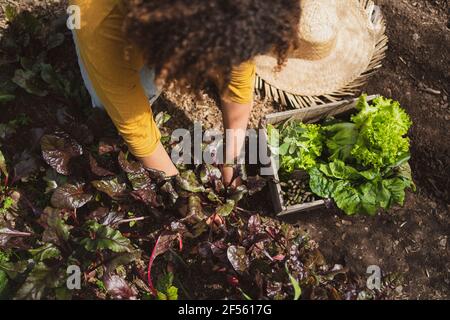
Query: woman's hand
160	160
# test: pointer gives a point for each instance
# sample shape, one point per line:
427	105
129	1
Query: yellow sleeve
242	82
113	67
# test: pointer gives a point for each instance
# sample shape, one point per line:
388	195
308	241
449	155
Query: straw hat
342	42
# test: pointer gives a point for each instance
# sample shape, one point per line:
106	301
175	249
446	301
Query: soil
412	240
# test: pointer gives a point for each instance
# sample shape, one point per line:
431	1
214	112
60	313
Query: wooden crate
310	115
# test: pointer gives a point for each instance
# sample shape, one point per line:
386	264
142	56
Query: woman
187	44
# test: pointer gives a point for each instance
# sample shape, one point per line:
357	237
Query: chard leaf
148	196
163	244
13	269
58	150
47	251
27	80
188	181
112	187
70	196
209	174
39	281
348	200
226	209
238	258
118	288
56	230
166	289
97	170
105	238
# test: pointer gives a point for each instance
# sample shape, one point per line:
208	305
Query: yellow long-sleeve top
113	65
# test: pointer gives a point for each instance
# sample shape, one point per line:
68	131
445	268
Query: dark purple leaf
56	230
98	213
209	174
147	196
204	249
26	165
97	170
238	258
58	150
168	190
135	171
39	281
112	218
129	166
163	244
111	187
139	180
81	133
156	175
219	250
118	288
238	193
254	224
108	145
7	234
70	196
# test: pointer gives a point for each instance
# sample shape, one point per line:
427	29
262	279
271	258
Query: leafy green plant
299	145
363	164
104	237
360	191
295	285
382	128
165	288
6	205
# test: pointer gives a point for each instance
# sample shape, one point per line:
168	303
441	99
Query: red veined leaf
163	243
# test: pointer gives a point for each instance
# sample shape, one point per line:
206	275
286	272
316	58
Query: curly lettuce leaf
382	128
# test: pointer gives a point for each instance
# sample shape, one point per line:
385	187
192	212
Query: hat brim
360	46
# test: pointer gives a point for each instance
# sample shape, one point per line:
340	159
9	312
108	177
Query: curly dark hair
189	42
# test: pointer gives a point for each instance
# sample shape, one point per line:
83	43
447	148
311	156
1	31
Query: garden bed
411	240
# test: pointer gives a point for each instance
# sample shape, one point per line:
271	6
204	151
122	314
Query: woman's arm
113	66
237	103
235	122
